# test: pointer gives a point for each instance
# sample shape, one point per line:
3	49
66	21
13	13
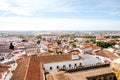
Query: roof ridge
40	65
27	68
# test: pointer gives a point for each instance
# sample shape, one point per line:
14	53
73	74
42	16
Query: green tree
24	40
87	41
11	46
88	36
74	45
105	44
38	36
38	42
21	36
93	41
58	42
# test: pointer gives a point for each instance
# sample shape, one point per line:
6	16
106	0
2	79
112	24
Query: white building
68	61
7	70
5	53
49	37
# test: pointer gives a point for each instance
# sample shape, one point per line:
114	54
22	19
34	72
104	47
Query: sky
37	15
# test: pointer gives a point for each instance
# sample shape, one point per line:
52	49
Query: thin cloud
59	14
43	7
27	7
18	23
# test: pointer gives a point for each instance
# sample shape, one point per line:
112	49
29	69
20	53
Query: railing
81	68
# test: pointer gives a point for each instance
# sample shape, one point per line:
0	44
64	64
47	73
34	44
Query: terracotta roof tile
3	68
19	73
74	52
6	50
54	58
45	54
96	47
28	69
35	70
108	54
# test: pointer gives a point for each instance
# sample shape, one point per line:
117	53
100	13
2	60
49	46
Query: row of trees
88	36
105	44
112	36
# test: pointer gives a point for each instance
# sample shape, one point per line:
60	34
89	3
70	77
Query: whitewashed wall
86	62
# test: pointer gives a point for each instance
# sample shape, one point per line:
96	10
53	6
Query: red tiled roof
31	68
45	43
48	35
6	50
3	68
96	47
35	70
74	52
100	53
100	37
118	54
108	54
0	76
19	73
54	58
28	69
15	52
45	54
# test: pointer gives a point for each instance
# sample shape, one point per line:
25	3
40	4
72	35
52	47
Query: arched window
75	64
100	78
57	67
69	65
80	64
64	66
50	68
110	77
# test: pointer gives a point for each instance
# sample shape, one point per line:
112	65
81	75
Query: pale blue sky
59	14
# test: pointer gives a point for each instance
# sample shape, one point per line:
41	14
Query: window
75	64
64	66
110	77
100	78
69	65
50	68
57	67
44	68
80	64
